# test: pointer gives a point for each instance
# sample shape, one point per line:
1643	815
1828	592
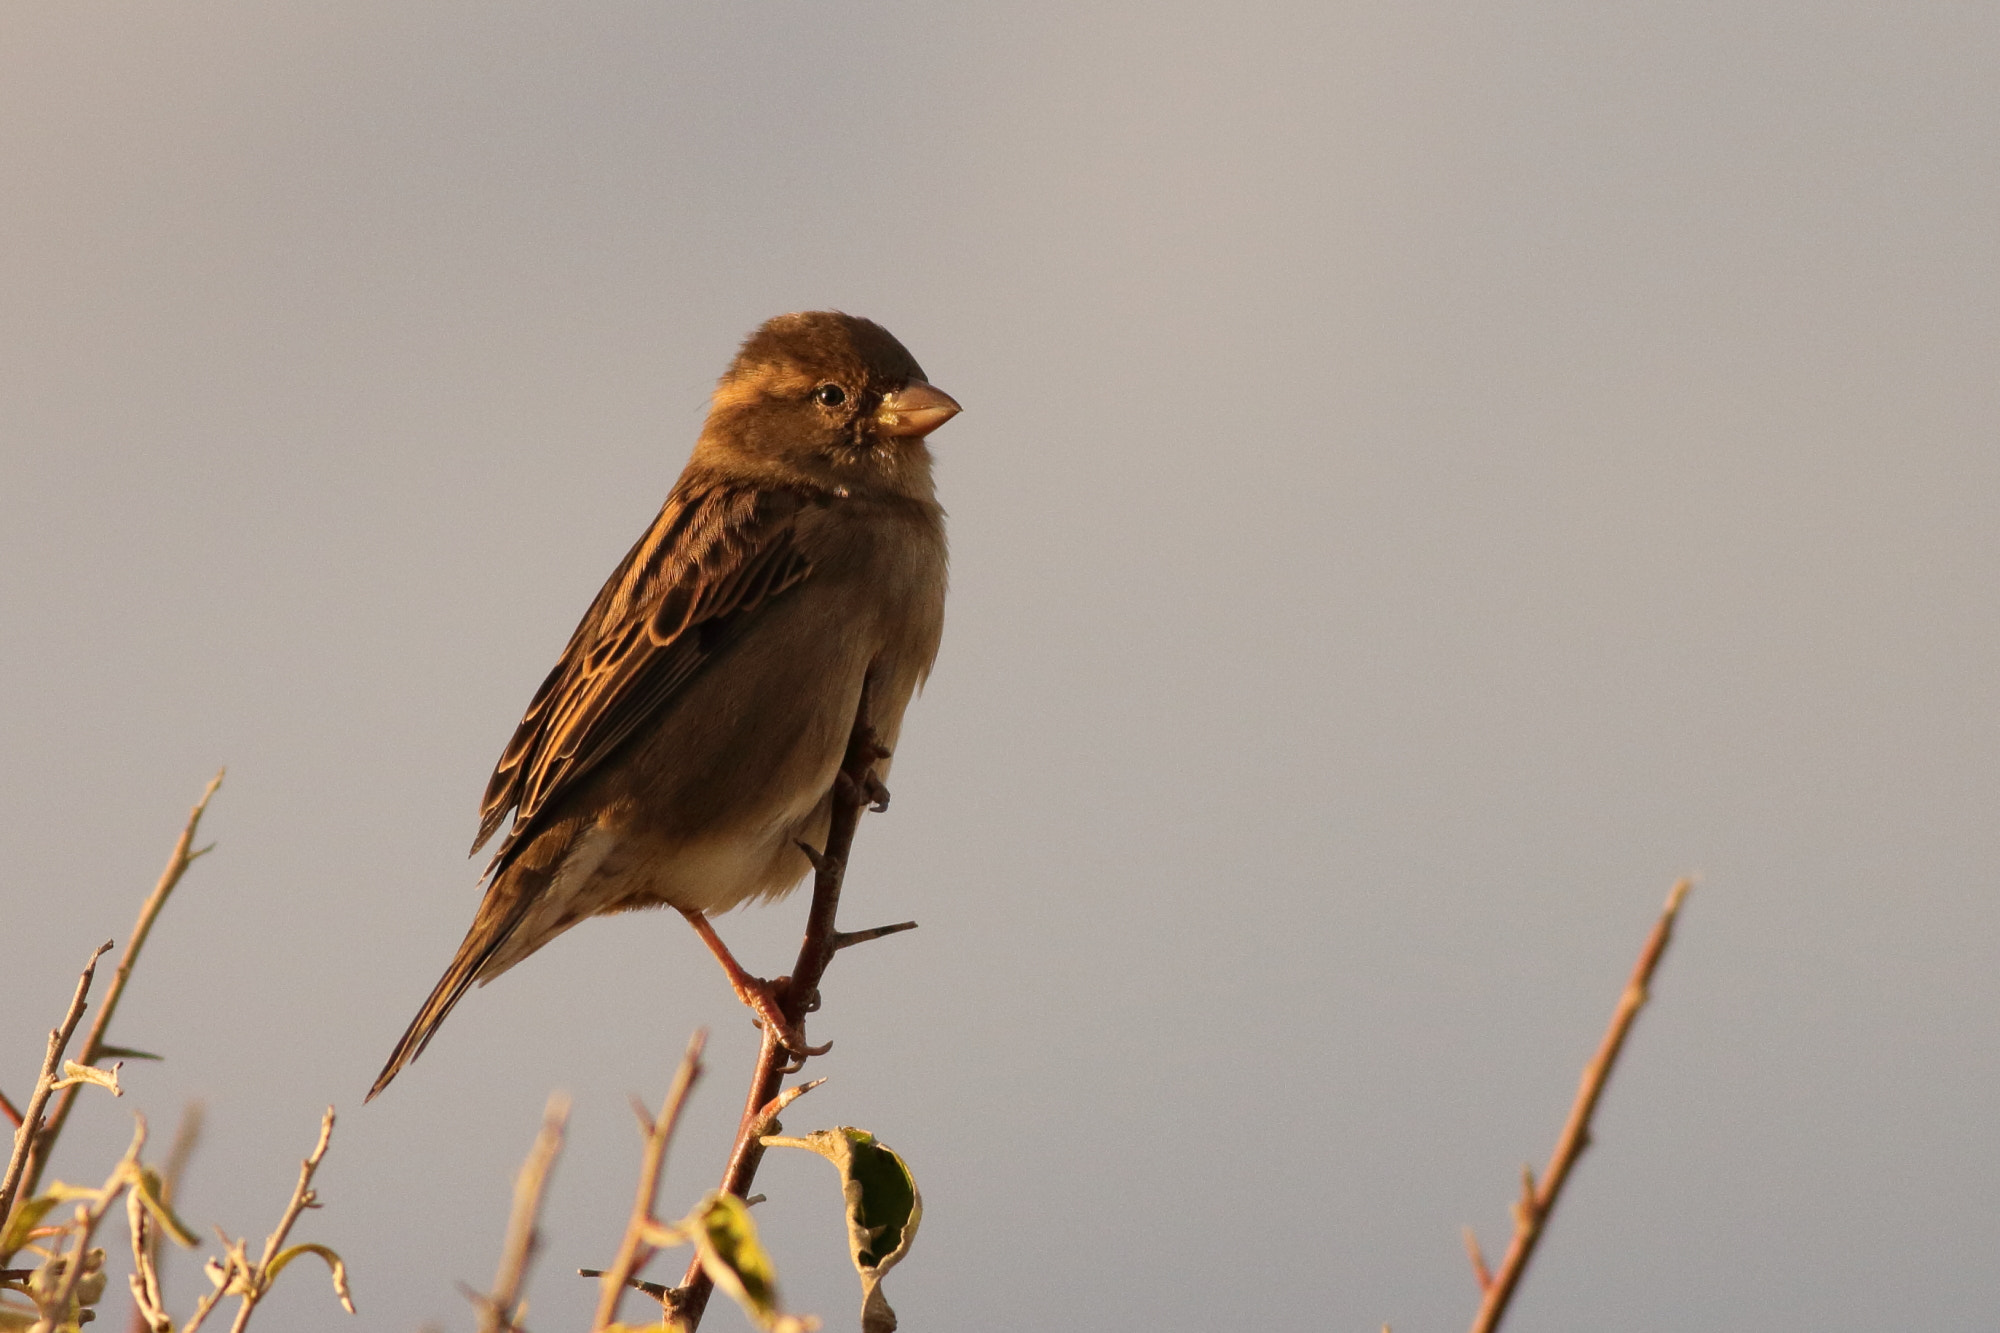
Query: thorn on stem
1480	1272
658	1291
767	1115
844	938
821	862
1527	1211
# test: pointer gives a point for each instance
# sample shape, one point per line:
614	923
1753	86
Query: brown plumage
688	737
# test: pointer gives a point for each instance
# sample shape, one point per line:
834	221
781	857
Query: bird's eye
829	395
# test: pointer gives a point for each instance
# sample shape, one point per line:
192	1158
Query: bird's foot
766	999
870	790
864	747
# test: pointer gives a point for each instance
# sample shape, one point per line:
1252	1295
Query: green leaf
126	1053
725	1240
335	1264
883	1209
147	1186
27	1216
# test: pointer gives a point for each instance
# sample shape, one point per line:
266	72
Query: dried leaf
334	1263
883	1210
74	1073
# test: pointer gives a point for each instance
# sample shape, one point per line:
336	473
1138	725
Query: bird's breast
738	771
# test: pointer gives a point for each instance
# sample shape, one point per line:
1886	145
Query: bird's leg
765	999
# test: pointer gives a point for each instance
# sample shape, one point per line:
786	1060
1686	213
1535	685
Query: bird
683	751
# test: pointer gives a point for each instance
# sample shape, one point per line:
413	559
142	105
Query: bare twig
148	1303
855	788
213	1298
31	1133
634	1251
185	854
1531	1213
501	1312
11	1111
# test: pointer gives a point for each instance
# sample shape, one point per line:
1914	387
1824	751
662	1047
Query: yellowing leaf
883	1209
27	1216
334	1264
147	1188
725	1239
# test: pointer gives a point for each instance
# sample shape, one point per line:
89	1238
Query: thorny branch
1538	1200
855	788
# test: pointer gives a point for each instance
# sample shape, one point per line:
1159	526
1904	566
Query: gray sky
1432	473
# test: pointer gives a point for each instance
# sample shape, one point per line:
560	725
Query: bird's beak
916	409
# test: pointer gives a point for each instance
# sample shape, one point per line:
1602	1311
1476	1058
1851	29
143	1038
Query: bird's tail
490	930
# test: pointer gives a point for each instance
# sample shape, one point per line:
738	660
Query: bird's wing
716	554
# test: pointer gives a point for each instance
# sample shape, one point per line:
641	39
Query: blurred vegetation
55	1274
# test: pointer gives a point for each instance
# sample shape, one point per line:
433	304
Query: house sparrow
687	742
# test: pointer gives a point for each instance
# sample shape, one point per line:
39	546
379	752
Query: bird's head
827	398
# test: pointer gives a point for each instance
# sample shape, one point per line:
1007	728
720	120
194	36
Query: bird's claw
766	1000
869	790
868	747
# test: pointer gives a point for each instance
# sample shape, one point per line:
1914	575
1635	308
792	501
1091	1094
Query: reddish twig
1538	1201
854	789
185	854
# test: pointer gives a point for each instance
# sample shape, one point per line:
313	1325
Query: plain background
1432	474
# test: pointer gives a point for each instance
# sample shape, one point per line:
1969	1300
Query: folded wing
715	556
